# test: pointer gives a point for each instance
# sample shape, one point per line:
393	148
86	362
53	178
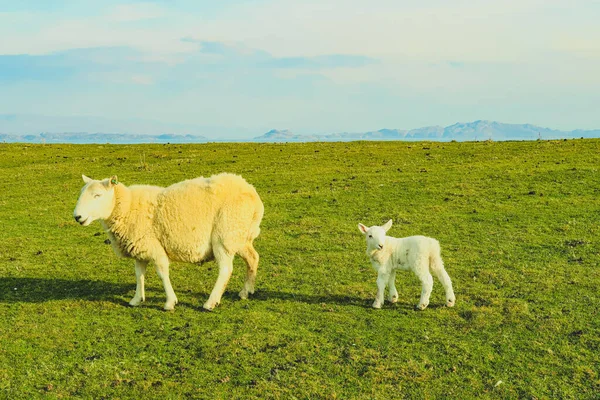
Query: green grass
518	223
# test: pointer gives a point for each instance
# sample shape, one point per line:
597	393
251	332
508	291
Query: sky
240	68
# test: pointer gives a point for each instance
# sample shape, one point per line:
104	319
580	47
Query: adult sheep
192	221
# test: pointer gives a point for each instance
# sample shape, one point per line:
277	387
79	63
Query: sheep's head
375	235
96	200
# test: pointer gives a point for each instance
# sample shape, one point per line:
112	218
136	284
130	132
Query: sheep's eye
370	236
96	196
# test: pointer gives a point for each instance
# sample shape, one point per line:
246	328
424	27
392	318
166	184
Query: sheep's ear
113	180
86	179
363	229
387	225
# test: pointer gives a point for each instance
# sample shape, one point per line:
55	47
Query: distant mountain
484	130
33	124
285	135
115	138
18	128
471	131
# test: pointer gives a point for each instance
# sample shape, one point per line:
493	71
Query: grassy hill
518	223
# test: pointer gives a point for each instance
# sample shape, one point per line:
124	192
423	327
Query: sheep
193	221
419	254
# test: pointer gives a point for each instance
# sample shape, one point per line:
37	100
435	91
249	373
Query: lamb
193	221
419	254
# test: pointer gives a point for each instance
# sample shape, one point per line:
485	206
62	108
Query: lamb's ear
363	229
387	225
112	181
86	179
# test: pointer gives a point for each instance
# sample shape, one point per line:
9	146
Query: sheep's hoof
170	305
450	303
376	304
135	302
209	307
393	299
421	307
243	294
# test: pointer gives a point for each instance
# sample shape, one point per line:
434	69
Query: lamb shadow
39	290
341	300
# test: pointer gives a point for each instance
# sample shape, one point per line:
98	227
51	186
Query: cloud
456	64
259	58
14	68
136	12
141	29
432	31
321	62
104	64
311	63
142	79
119	64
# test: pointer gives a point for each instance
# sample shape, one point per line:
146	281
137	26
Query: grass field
518	223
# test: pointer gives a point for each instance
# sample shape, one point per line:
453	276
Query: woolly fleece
191	221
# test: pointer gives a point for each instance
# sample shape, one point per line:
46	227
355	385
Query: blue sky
242	67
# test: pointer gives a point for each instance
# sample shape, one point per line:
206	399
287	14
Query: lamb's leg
423	274
140	272
437	266
162	269
382	281
225	261
393	293
250	256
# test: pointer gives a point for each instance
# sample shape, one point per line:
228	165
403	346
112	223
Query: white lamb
191	221
419	254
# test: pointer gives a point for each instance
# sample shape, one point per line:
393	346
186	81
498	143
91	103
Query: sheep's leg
140	272
426	287
382	281
225	262
393	293
251	257
162	269
437	266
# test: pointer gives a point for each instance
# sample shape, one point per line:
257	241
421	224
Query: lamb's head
375	235
96	201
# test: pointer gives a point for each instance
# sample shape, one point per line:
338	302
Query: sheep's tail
259	211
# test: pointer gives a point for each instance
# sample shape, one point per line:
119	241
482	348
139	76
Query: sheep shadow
342	300
320	299
39	290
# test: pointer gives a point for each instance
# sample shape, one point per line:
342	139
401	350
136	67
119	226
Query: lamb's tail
436	264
